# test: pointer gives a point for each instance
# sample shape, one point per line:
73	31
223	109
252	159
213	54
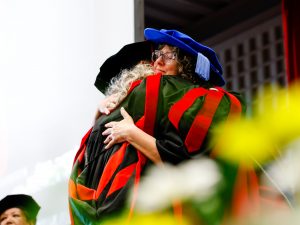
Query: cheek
173	69
22	220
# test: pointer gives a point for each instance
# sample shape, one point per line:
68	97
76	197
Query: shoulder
168	84
176	81
233	98
200	110
175	86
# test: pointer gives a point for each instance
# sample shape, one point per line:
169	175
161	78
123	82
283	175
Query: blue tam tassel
202	67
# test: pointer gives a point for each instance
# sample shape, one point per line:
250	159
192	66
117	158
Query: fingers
111	105
107	131
116	130
111	124
107	108
124	113
104	110
126	116
109	141
109	145
108	104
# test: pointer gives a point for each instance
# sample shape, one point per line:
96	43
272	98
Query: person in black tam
18	209
156	112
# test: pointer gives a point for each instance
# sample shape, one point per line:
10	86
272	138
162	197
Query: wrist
132	130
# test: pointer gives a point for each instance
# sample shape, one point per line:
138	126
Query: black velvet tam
127	57
25	202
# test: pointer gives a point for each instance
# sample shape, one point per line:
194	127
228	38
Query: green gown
168	107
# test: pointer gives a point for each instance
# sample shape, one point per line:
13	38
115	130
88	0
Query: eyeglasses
167	57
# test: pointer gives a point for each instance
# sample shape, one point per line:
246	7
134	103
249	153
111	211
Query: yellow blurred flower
275	124
281	114
162	218
243	141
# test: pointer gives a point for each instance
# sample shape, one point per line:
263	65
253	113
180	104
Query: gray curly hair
120	84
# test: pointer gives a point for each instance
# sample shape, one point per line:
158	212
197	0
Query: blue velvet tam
208	67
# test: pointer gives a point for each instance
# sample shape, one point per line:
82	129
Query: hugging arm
106	105
126	130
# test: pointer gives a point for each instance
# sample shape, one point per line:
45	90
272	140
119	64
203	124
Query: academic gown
101	178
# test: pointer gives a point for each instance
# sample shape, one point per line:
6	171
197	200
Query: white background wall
50	54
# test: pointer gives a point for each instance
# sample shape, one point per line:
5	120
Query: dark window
228	71
228	55
252	44
240	50
265	38
253	77
241	82
267	72
253	61
279	49
279	66
240	66
266	55
278	32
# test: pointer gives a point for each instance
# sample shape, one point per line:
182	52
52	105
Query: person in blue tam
154	113
200	63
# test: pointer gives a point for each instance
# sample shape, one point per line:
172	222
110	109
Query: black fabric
126	58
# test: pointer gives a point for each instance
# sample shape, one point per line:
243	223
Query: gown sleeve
191	136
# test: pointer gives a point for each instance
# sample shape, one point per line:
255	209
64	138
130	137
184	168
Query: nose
159	60
7	221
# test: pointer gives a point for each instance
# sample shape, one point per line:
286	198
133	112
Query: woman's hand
118	131
106	105
125	130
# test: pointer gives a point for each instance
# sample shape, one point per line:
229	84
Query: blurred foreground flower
243	141
280	114
147	219
271	218
284	172
194	179
258	139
